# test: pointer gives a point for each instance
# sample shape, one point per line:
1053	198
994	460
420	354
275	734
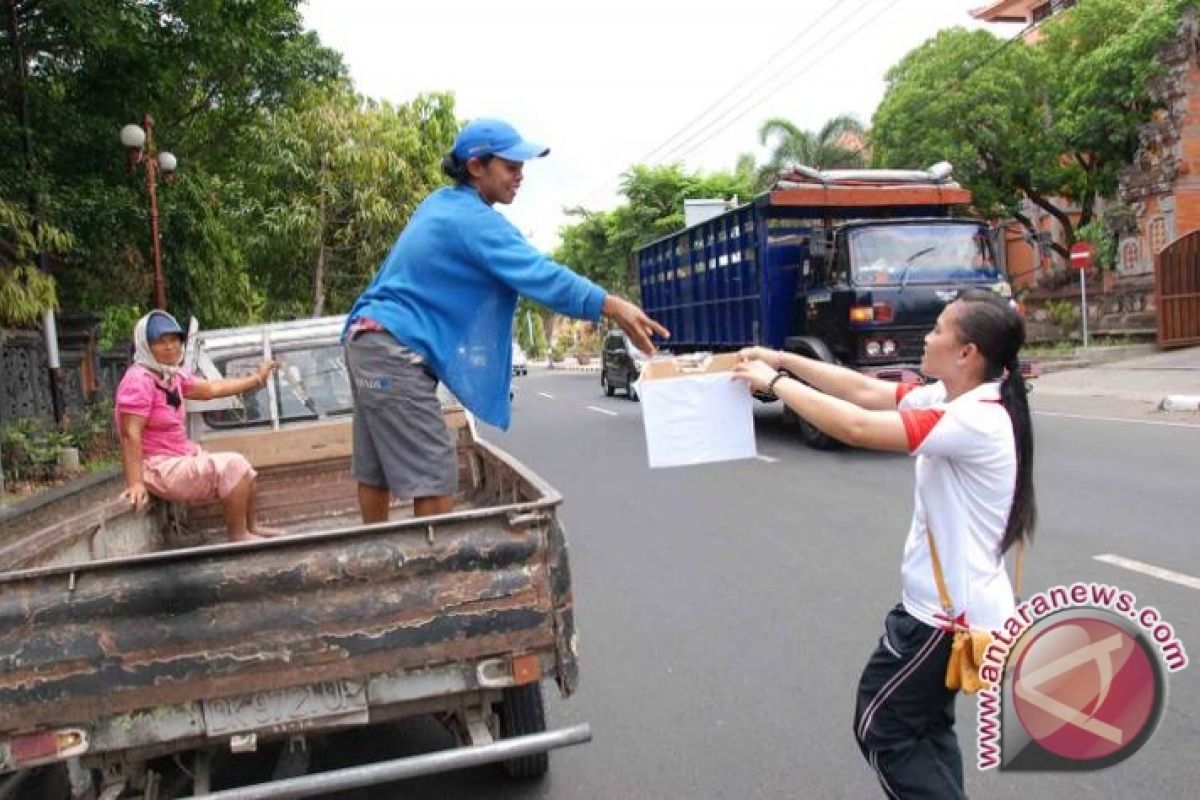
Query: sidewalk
1140	381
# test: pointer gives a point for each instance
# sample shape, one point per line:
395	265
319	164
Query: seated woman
158	457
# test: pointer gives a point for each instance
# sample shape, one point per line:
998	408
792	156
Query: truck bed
149	631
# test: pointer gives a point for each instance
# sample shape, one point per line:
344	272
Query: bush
1063	313
30	449
93	433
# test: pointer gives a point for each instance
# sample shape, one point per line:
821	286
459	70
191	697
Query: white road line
1151	570
543	394
602	411
768	459
1116	419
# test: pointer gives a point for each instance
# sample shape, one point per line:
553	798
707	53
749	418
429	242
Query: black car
621	364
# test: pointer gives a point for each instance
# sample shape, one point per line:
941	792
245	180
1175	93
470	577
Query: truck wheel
809	433
521	713
605	385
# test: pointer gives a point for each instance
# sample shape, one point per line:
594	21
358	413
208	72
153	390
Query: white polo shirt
966	474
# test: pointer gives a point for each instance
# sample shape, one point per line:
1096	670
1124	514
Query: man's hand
773	358
757	373
631	319
137	495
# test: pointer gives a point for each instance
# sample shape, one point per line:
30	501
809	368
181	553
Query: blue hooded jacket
448	290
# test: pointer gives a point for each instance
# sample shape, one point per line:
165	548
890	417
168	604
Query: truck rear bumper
409	767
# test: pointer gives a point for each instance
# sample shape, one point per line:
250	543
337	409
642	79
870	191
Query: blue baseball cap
161	324
495	137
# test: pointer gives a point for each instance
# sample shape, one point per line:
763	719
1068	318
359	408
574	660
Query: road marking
1116	419
543	394
602	411
1151	570
768	459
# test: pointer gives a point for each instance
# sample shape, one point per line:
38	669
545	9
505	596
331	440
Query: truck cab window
902	254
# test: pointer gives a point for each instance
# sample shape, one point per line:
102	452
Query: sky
612	83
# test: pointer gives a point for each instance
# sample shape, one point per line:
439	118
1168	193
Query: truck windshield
901	254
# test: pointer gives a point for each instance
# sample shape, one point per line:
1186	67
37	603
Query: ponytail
455	168
1022	517
993	325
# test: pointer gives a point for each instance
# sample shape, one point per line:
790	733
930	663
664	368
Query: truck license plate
323	704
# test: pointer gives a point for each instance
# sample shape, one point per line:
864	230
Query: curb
573	368
1180	402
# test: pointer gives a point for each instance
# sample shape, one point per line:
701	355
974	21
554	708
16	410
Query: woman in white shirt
972	435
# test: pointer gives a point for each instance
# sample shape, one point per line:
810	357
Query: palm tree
836	146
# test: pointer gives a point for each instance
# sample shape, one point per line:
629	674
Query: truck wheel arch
809	346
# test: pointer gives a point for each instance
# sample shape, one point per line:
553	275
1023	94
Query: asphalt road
725	611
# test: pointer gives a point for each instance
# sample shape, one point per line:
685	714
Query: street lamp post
139	146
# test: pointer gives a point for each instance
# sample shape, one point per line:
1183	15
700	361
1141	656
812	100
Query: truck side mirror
820	244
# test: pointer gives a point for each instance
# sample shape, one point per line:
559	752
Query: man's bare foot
263	532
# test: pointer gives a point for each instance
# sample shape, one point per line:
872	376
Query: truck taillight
38	748
878	312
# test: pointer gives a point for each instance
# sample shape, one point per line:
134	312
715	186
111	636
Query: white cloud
604	84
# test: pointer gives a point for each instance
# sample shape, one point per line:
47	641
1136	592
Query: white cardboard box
694	412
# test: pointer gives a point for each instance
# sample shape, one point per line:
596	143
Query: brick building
1159	192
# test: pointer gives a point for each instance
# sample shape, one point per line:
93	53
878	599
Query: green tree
601	244
207	72
1051	123
337	178
827	148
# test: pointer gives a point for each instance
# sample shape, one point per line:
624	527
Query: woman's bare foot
263	532
248	536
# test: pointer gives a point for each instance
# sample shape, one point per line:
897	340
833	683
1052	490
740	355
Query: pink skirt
195	478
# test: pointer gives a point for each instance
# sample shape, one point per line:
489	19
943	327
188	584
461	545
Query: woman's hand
757	373
137	495
636	324
773	358
264	371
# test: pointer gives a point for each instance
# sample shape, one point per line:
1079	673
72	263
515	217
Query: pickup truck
134	647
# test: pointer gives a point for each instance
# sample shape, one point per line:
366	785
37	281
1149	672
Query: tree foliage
1052	123
265	126
601	244
337	178
831	147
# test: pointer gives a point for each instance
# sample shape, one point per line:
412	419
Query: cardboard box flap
694	364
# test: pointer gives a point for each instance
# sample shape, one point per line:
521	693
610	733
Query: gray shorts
401	441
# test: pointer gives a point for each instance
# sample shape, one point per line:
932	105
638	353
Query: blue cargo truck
850	267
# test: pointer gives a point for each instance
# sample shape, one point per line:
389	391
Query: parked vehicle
132	641
621	365
850	267
520	363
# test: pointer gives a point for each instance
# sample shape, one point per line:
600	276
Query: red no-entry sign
1081	255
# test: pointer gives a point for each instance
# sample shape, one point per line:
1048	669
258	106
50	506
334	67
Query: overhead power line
753	75
755	99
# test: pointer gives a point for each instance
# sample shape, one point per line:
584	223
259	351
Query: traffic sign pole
1081	259
1083	303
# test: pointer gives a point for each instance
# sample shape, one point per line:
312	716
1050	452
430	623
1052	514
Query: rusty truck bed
138	648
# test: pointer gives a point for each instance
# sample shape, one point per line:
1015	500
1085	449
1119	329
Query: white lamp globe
133	136
167	162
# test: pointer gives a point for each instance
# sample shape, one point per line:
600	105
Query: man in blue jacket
441	308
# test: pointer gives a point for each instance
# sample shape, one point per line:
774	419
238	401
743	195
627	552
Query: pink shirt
141	394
